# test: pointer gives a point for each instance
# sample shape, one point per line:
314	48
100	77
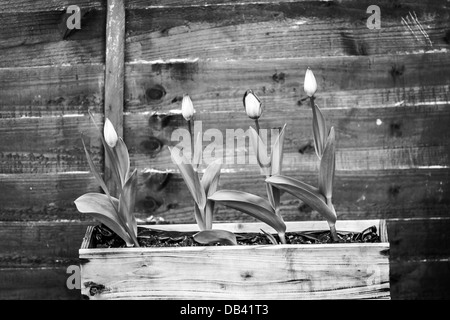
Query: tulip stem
257	126
192	138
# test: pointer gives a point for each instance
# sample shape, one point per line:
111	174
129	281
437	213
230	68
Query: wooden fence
386	91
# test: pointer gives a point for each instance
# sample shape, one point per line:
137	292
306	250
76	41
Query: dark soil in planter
105	238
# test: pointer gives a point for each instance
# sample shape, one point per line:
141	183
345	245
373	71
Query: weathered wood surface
419	259
215	50
335	271
114	77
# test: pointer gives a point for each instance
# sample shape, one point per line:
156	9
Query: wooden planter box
326	271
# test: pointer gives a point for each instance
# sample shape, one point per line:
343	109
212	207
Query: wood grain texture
51	90
357	195
42	283
336	271
34	243
284	30
344	82
114	77
31	193
48	144
418	268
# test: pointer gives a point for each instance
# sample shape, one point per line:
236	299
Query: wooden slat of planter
284	272
341	225
51	90
344	82
284	30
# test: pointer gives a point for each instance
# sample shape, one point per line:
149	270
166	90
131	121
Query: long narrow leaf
210	182
276	157
123	160
127	202
210	179
99	207
199	217
94	170
327	166
260	149
190	177
215	236
114	170
319	130
197	151
253	205
308	194
209	212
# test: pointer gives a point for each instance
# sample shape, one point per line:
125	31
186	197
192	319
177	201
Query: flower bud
187	108
252	105
110	134
310	85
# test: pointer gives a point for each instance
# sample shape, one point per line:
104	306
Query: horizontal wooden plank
343	82
52	194
284	30
49	144
416	239
51	90
36	284
357	195
29	28
375	81
34	243
367	138
54	53
143	4
334	271
420	280
45	5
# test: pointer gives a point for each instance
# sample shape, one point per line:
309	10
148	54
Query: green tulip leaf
127	202
327	166
253	205
308	194
319	130
260	149
100	207
190	177
215	236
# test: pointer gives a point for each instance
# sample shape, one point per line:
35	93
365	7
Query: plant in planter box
200	189
320	199
291	271
267	211
115	213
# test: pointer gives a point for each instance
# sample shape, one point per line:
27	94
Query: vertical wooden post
114	74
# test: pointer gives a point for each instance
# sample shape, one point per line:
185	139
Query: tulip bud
110	134
310	85
252	105
187	108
